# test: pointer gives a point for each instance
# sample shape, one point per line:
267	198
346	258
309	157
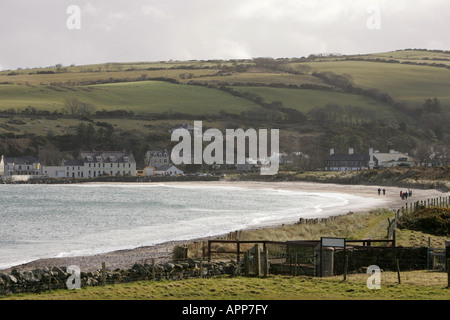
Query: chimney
331	152
350	151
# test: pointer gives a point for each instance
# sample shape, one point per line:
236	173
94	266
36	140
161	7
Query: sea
47	221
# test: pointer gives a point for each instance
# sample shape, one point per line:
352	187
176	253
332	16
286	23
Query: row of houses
90	164
372	159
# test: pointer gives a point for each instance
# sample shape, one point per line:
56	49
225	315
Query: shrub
431	220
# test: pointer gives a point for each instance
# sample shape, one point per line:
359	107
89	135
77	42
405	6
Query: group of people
379	191
405	195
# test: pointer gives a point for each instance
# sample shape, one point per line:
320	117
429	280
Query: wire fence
294	258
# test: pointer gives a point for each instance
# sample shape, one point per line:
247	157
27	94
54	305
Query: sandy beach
367	198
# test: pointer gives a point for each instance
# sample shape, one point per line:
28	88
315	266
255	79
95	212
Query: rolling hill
360	101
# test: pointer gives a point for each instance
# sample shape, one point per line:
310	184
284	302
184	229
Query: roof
166	167
73	163
164	152
21	160
163	168
107	156
349	157
387	157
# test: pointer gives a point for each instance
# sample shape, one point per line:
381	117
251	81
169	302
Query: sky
48	32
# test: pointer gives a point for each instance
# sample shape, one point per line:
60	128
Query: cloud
117	30
154	12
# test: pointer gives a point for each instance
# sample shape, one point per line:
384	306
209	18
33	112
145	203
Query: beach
361	198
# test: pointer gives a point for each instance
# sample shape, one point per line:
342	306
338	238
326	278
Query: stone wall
384	257
39	280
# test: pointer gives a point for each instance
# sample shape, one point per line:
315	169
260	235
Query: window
112	159
99	159
125	159
89	158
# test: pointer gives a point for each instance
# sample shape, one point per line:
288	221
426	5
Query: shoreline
363	198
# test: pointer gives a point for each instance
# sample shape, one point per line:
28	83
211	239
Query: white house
112	163
169	170
67	169
370	160
93	164
20	166
393	159
157	158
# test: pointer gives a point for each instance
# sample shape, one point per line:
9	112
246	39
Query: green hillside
389	100
139	97
404	82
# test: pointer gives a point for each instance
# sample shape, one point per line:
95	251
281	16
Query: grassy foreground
416	285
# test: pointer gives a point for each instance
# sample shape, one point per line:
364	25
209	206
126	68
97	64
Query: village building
19	166
393	159
373	159
157	158
92	164
108	163
168	170
146	172
347	162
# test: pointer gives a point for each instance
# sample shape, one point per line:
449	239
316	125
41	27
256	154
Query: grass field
305	99
263	78
416	285
408	83
139	97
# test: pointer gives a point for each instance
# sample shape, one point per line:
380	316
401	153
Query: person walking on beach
401	194
384	192
379	191
406	195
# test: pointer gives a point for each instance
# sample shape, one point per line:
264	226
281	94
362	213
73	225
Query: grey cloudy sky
34	33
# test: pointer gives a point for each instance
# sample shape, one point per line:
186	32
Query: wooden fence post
246	264
50	278
258	260
153	269
266	261
209	250
103	273
398	273
345	267
295	261
448	273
